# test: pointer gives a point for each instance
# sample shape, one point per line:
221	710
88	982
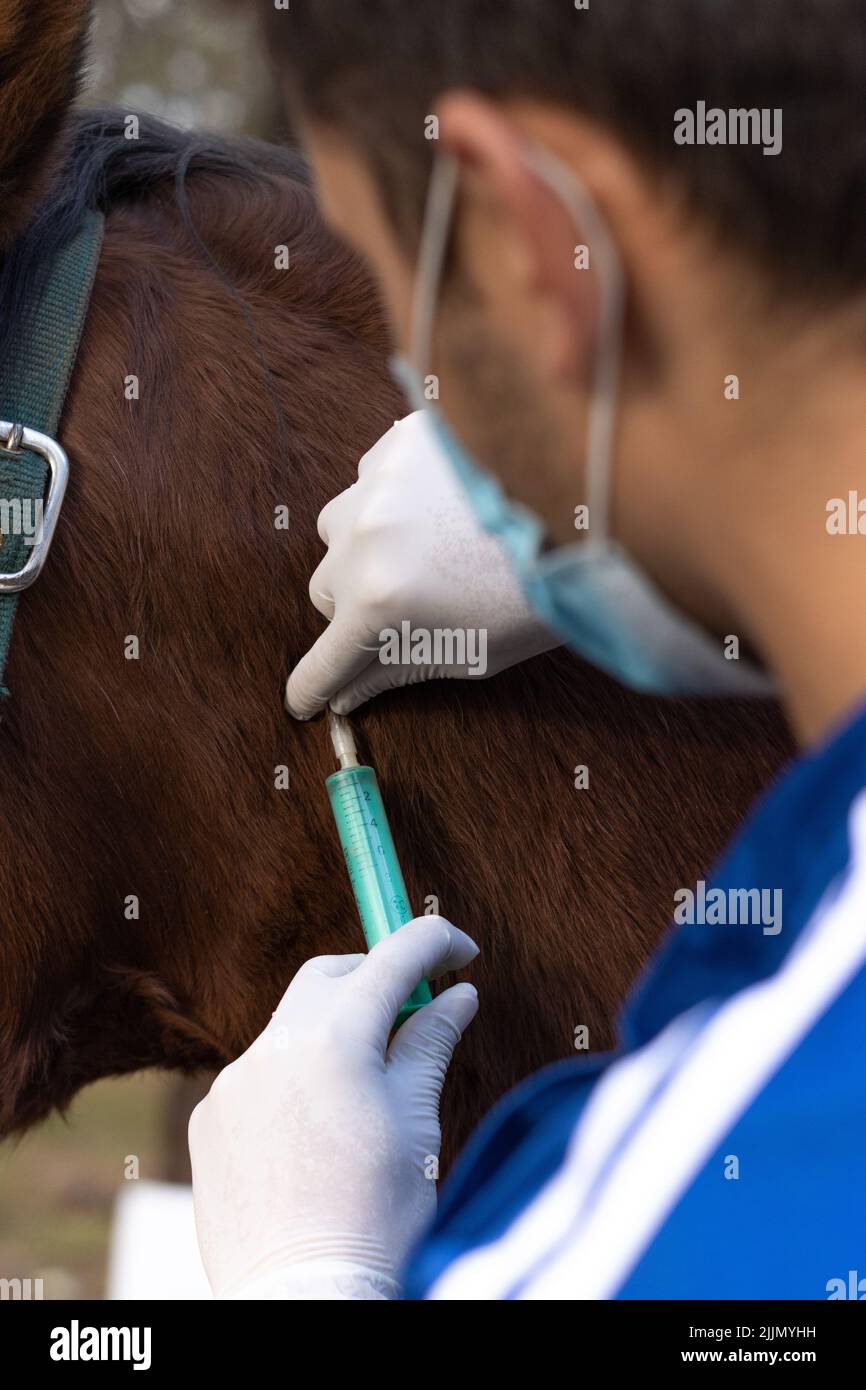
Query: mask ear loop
438	214
570	189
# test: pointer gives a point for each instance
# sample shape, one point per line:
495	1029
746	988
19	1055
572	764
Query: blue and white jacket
721	1153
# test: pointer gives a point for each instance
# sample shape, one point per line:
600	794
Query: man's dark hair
375	68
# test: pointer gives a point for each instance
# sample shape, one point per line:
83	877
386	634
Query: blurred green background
196	63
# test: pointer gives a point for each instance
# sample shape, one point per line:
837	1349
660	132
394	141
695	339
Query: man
622	247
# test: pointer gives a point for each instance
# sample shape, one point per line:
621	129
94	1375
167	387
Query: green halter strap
34	379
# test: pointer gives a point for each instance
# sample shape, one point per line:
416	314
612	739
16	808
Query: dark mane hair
102	168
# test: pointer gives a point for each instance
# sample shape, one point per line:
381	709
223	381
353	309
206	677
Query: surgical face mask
591	593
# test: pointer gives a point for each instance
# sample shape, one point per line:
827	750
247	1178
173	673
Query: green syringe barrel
374	869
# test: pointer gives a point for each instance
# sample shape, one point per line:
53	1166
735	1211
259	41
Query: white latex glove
314	1154
403	544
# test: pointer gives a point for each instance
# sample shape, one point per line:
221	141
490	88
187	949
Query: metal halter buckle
18	438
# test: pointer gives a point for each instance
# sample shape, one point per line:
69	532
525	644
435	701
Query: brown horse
158	885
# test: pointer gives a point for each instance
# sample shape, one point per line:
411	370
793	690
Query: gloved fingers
344	649
332	967
431	1035
320	590
339	514
424	948
331	516
375	679
383	448
314	976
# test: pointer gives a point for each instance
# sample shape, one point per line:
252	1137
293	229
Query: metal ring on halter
19	438
13	443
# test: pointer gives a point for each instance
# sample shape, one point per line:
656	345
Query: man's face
491	389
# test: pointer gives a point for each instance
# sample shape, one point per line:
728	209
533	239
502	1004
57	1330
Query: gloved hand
403	544
314	1154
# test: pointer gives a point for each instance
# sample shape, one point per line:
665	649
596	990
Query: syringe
374	869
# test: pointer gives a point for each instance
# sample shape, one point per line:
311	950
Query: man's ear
541	246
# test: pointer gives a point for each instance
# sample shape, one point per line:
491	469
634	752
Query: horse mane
101	167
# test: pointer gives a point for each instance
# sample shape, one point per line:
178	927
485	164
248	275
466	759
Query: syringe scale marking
368	848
